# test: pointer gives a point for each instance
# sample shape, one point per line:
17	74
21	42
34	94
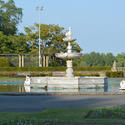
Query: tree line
12	41
100	59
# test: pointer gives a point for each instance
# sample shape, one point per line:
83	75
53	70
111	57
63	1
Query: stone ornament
122	85
27	81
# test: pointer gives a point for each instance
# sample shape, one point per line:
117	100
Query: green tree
120	60
51	36
93	59
52	41
10	16
108	59
4	44
19	44
13	44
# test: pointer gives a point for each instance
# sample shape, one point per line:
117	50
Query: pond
13	86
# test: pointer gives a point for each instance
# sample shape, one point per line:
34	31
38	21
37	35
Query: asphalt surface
40	103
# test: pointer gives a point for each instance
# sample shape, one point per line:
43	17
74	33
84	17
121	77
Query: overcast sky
98	25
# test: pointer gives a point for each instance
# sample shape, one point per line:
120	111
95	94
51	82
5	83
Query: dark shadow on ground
40	103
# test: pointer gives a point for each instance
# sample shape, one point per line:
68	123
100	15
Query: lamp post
39	8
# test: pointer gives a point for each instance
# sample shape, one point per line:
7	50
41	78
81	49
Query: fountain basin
68	55
68	82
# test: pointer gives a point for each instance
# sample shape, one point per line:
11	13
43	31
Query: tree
51	36
19	44
4	43
120	60
10	16
108	59
52	41
93	59
13	44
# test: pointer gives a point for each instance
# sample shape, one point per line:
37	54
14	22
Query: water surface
12	86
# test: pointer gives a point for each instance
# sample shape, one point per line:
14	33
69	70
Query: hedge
92	68
19	69
8	74
118	74
81	74
40	74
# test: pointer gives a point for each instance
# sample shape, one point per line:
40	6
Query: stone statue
122	84
114	67
27	88
27	82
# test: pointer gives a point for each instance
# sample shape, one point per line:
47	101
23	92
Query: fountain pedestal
69	70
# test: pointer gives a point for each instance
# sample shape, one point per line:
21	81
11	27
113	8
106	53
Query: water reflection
110	88
113	87
12	88
81	90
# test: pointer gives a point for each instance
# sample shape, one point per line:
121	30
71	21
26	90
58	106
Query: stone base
67	82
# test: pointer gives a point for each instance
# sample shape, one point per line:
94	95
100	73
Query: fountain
69	81
69	55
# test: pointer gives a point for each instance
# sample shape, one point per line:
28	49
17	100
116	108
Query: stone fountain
69	55
69	81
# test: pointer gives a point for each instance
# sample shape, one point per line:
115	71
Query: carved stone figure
122	84
27	81
114	67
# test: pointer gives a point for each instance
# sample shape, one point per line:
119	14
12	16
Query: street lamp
39	8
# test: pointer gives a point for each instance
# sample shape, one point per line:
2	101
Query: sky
98	25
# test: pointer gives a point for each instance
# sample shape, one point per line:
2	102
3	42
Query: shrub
60	68
92	68
115	74
41	74
80	74
4	62
9	74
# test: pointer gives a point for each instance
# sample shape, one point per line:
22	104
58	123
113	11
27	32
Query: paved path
39	103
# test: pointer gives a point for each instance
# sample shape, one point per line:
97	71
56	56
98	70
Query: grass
50	116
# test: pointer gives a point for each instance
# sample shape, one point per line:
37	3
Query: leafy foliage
13	44
10	16
81	74
119	74
4	62
57	68
95	59
51	41
92	68
120	60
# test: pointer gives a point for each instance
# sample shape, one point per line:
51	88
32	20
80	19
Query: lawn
111	115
